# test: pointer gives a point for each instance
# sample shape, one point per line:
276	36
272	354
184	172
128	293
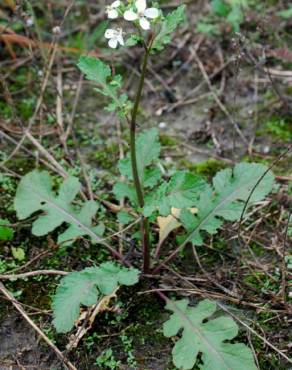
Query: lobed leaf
182	191
84	288
147	152
226	200
97	71
169	25
34	193
207	338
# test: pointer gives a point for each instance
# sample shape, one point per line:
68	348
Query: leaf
226	200
18	253
147	151
182	191
85	216
208	28
125	218
170	223
206	338
34	193
97	71
84	288
169	25
122	190
220	7
286	14
133	40
235	17
6	232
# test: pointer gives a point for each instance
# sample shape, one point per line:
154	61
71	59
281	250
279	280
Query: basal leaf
84	288
125	218
208	338
231	189
123	190
34	193
182	191
169	25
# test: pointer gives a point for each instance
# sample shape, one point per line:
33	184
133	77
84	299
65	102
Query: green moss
167	141
206	168
280	129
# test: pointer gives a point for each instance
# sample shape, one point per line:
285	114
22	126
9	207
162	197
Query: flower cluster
137	12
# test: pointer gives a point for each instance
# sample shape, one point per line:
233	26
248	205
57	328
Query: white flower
142	14
112	11
115	37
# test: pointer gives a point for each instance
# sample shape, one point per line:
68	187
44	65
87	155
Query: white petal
112	13
129	15
140	5
144	23
113	43
116	4
120	40
110	33
151	13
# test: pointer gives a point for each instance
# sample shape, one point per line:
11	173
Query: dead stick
32	273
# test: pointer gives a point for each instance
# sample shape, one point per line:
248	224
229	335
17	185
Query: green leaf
235	17
84	288
226	199
286	14
6	232
208	28
133	40
220	7
169	25
97	71
207	338
182	191
34	193
122	190
18	253
147	152
125	218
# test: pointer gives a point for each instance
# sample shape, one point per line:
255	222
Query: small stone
29	22
56	30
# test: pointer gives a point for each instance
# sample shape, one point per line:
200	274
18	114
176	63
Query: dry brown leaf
10	3
170	223
103	305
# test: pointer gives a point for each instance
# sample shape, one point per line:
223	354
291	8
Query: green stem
139	190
